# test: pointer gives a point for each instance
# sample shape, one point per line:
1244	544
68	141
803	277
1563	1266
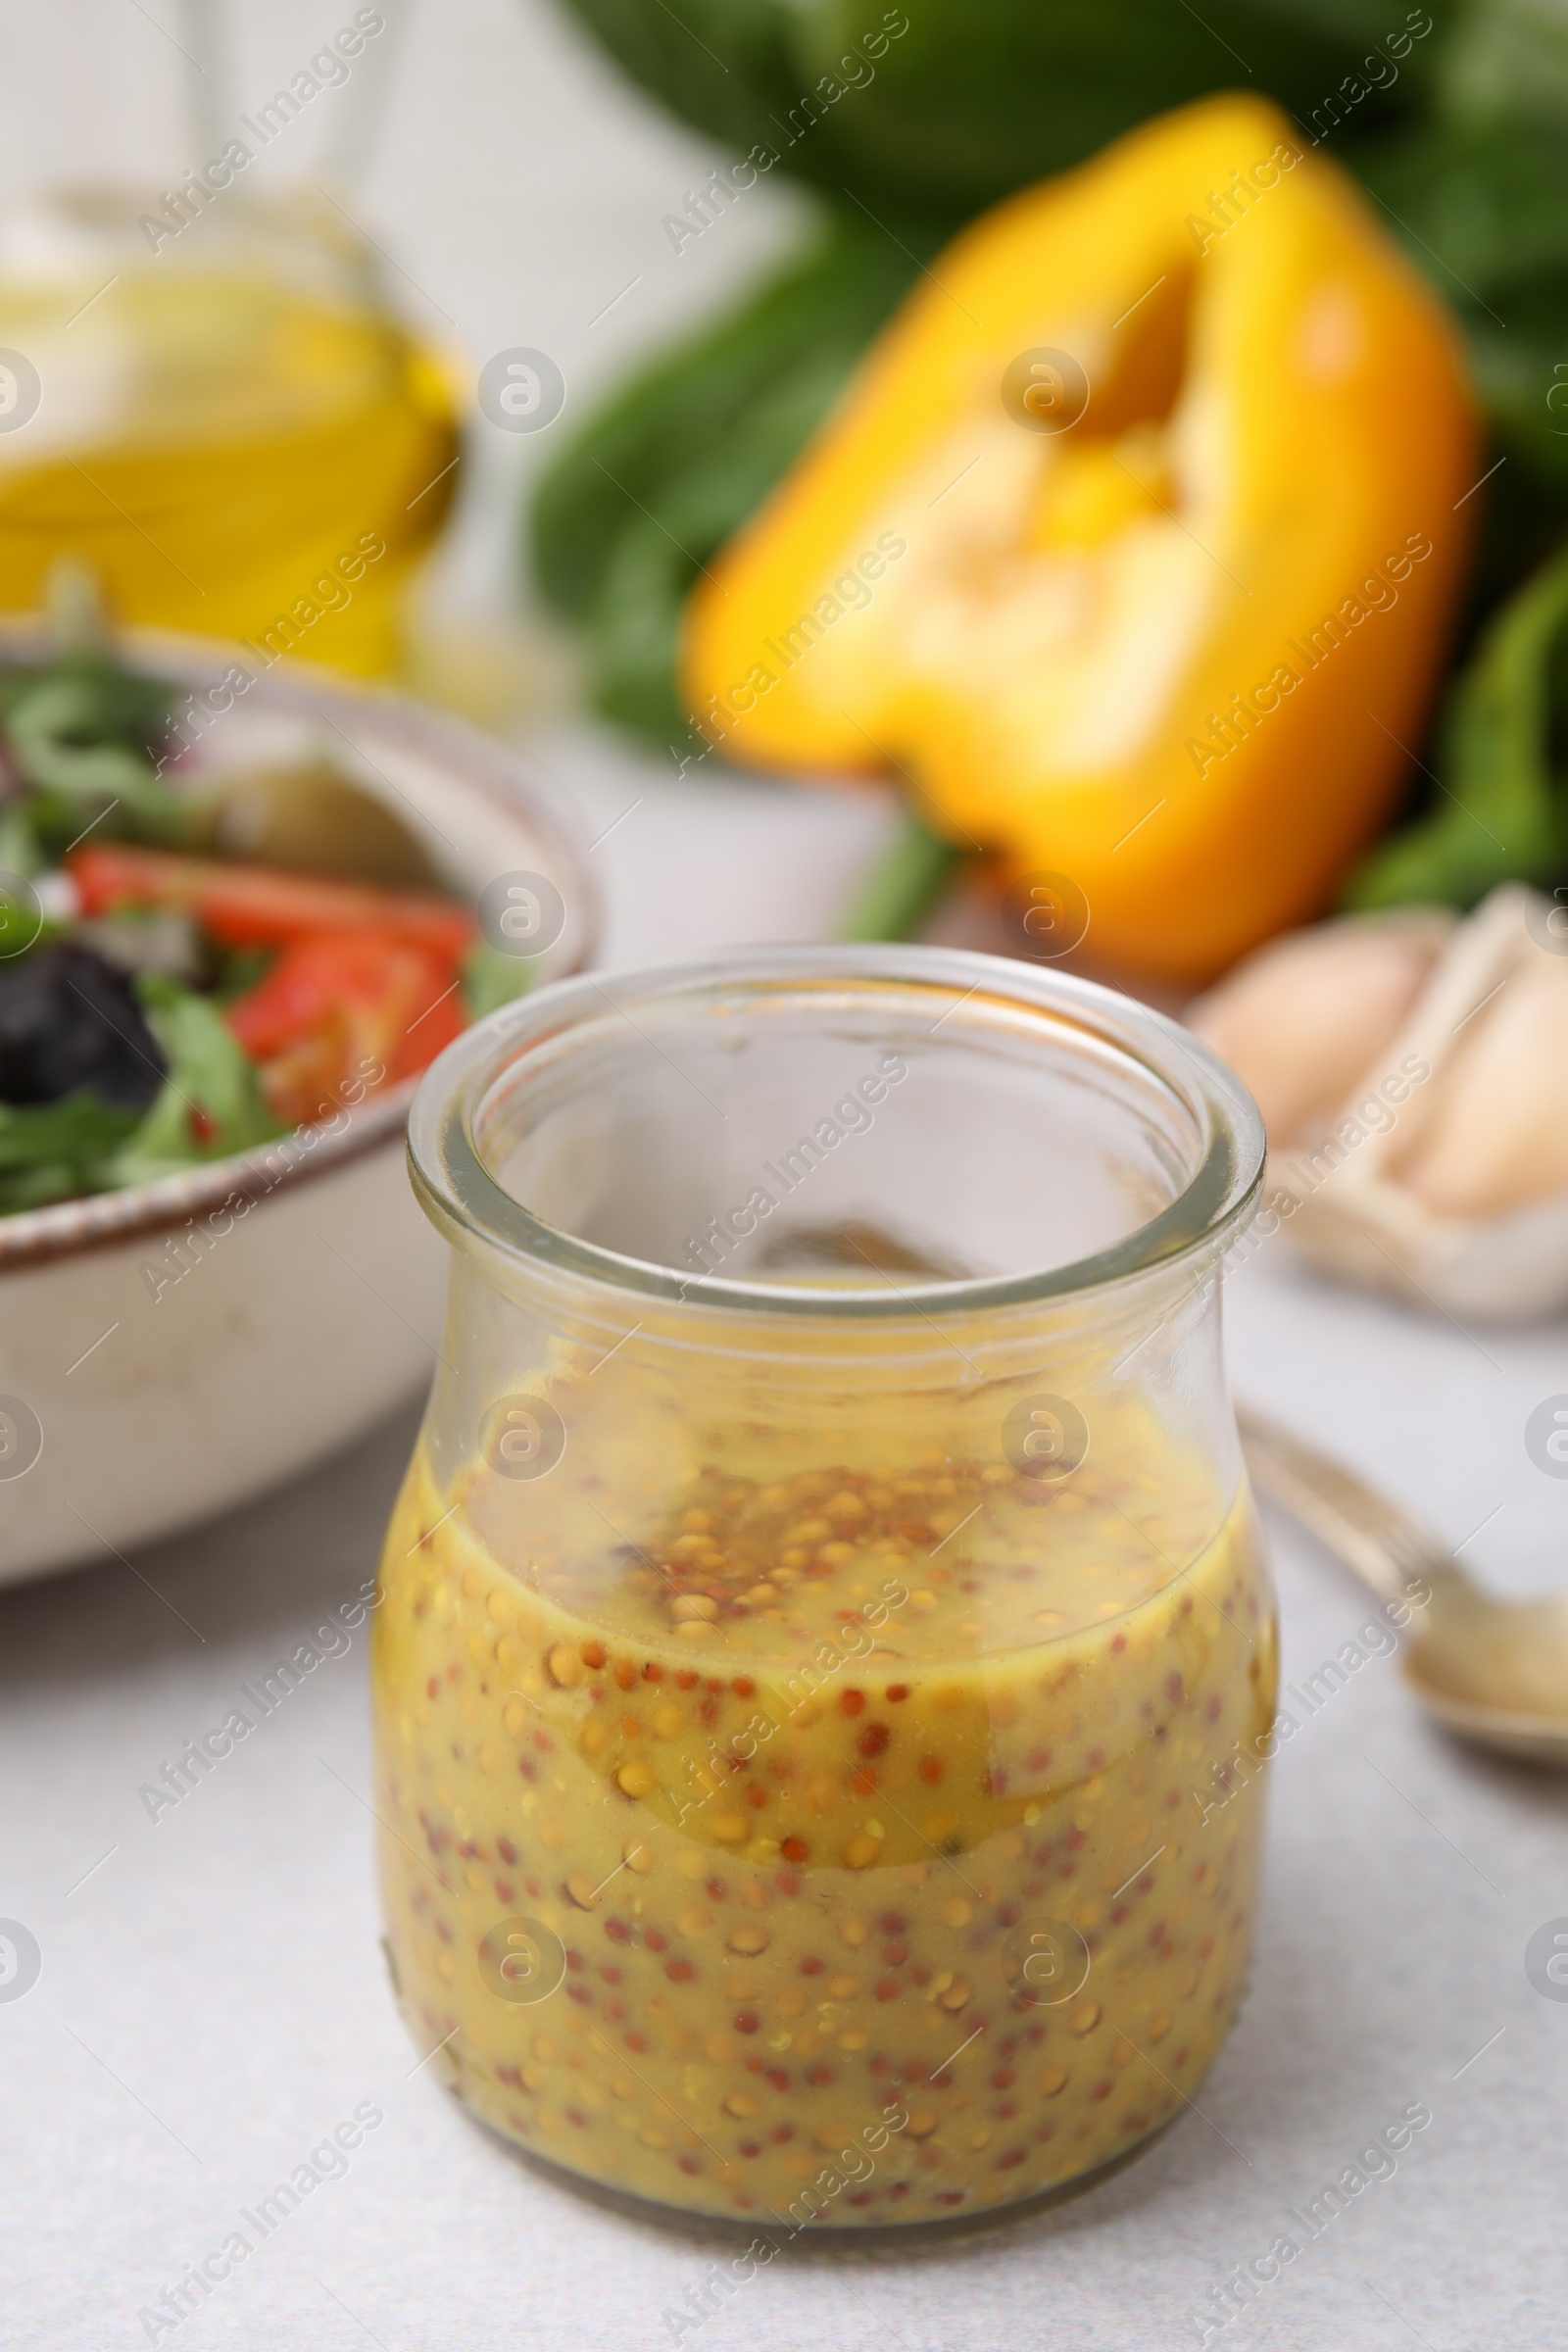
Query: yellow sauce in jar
823	1849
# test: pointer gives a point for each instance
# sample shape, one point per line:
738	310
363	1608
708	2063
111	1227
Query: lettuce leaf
54	1151
210	1105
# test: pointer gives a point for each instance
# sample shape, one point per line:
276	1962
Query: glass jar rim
464	1199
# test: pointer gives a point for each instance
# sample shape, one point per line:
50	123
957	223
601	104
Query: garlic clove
1495	1134
1306	1016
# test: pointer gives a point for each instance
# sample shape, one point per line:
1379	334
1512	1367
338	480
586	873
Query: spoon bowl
1492	1672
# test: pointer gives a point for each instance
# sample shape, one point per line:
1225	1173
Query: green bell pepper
1503	810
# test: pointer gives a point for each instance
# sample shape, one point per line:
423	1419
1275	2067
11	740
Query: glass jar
824	1611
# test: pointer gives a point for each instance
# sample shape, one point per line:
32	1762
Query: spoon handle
1386	1548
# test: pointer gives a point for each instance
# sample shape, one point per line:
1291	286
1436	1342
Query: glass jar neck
881	1139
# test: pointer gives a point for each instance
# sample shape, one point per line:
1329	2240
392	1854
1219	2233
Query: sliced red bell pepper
261	905
340	1004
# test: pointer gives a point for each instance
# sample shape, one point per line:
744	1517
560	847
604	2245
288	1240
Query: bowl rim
95	1221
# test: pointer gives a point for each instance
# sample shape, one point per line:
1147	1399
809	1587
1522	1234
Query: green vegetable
1507	57
235	972
54	1151
81	733
491	979
664	475
20	850
973	98
210	1086
1503	810
904	885
1482	206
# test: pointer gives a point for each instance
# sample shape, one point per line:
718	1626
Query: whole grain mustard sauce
855	1830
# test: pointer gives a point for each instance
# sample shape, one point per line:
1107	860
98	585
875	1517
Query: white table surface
211	1999
212	2002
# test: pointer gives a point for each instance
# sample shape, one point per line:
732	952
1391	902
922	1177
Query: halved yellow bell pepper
1134	542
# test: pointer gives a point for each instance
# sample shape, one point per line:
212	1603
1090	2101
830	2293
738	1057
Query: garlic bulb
1494	1133
1304	1017
1412	1071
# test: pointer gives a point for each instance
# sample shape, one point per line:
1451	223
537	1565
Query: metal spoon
1495	1672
